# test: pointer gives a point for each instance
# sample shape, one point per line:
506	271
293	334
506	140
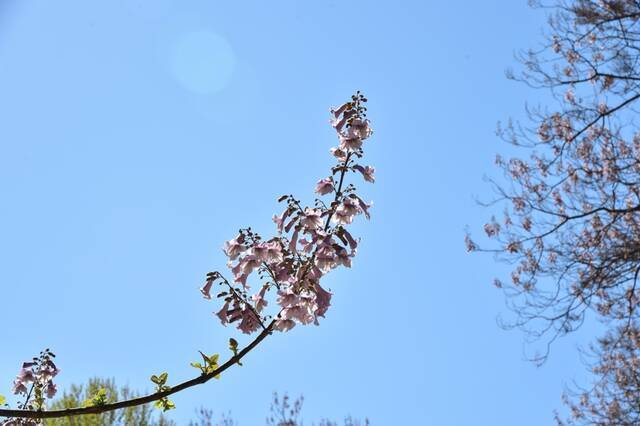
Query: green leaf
165	404
155	379
163	378
100	398
196	365
3	400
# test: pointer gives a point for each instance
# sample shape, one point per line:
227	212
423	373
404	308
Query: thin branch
143	399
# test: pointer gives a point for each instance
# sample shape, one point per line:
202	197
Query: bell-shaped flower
361	128
367	172
293	244
238	274
312	218
306	245
258	299
353	243
249	322
223	313
279	220
323	300
301	312
273	253
284	324
235	247
346	211
48	371
282	272
325	258
51	390
337	112
206	289
350	142
26	375
287	298
343	257
18	387
324	186
364	206
339	153
344	110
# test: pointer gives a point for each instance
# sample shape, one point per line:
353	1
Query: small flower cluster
35	383
311	241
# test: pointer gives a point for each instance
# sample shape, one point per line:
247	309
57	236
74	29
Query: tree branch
143	399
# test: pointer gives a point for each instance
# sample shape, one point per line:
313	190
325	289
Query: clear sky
136	136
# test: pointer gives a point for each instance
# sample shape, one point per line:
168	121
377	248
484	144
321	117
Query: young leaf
163	378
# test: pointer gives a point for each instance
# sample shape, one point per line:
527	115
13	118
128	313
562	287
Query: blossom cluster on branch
34	382
571	223
310	241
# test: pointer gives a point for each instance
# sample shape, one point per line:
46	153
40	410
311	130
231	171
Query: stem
144	399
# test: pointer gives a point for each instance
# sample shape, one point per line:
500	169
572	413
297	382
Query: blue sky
137	136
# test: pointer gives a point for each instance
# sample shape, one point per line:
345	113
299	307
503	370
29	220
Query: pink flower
294	242
353	244
336	112
364	206
361	128
26	374
282	273
471	246
346	211
323	300
307	245
284	324
51	390
367	172
258	299
350	142
48	372
233	248
339	153
324	186
492	229
325	258
279	220
206	289
18	387
273	253
223	313
249	323
249	263
312	218
343	258
337	122
287	298
301	313
238	274
267	252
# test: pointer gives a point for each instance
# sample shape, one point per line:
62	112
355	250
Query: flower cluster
35	383
571	225
310	242
571	221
